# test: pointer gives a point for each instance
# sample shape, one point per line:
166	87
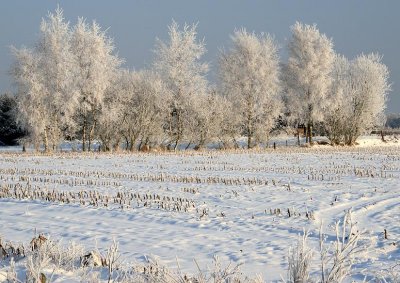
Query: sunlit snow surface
239	227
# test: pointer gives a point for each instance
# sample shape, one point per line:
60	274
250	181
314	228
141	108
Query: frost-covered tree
62	80
357	98
113	121
178	64
95	67
249	75
147	107
151	100
109	128
32	114
43	76
134	110
205	120
367	100
307	74
226	122
336	115
56	65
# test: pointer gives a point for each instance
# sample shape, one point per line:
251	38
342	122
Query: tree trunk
126	142
132	144
170	129
201	144
306	134
140	145
91	135
176	144
188	145
310	133
46	140
116	145
249	129
132	141
235	143
180	129
84	137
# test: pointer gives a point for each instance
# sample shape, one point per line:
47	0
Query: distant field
244	206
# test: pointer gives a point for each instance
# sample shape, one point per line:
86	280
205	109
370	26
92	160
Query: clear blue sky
355	26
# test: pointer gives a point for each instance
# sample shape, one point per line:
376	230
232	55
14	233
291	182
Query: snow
239	227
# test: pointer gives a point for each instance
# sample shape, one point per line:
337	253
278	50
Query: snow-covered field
193	205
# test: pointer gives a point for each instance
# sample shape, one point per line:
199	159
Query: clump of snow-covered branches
336	259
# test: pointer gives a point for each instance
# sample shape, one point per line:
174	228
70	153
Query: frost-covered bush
299	263
336	259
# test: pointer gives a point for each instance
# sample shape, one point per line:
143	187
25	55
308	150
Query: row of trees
71	85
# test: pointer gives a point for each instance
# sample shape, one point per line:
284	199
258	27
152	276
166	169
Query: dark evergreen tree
10	132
